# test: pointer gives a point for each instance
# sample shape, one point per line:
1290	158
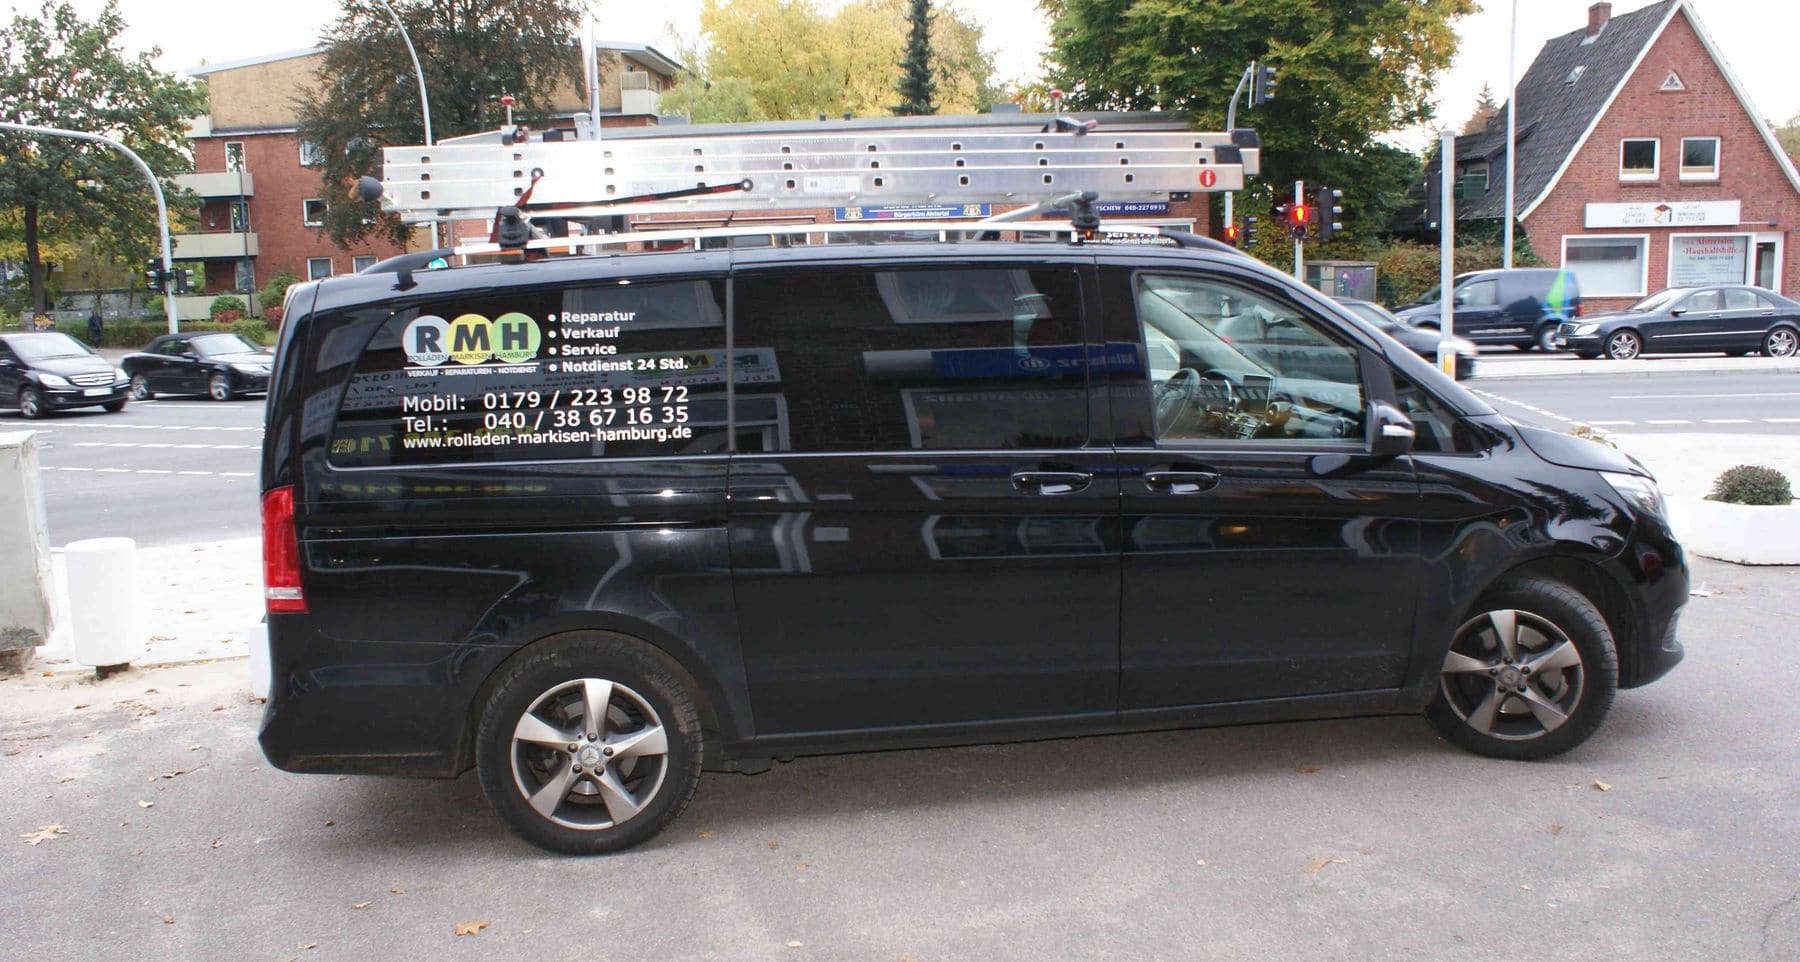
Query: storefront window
1607	266
1696	260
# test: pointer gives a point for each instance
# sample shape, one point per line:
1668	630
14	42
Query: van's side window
1228	363
611	370
861	359
1479	294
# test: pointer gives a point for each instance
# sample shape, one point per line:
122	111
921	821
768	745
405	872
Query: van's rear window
614	370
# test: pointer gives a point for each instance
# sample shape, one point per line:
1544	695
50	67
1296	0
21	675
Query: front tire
31	403
590	743
1546	339
1780	342
218	387
1530	675
1624	345
113	407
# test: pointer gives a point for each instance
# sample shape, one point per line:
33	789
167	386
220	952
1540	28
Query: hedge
137	333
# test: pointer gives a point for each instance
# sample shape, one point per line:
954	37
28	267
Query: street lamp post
162	209
424	98
1512	132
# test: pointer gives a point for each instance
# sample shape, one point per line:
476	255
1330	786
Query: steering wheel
1174	397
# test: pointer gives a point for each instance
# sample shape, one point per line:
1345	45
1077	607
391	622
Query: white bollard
257	637
104	615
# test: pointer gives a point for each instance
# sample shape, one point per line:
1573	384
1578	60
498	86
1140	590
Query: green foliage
727	100
227	302
1788	135
798	60
915	86
140	331
1347	73
274	293
471	52
1405	270
59	70
1752	484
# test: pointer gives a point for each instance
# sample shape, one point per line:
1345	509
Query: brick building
262	200
1641	163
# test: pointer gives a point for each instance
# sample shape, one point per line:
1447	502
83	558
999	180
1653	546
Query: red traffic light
1232	234
1301	214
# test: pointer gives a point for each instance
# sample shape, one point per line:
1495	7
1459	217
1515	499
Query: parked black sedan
48	371
221	366
1422	341
1735	320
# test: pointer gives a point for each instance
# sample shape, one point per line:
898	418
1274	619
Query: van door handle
1051	482
1182	482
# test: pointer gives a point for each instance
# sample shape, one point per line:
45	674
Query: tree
1788	135
1347	73
1485	109
799	61
915	86
59	70
728	100
471	52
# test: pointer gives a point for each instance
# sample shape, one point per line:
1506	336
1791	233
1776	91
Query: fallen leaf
471	928
66	779
81	705
330	822
362	905
218	843
218	708
799	866
309	946
137	851
1602	785
343	778
1556	829
176	772
1307	769
1525	888
194	748
1201	862
1365	851
1313	866
162	638
14	751
706	834
144	804
45	834
773	845
794	945
168	920
524	931
397	890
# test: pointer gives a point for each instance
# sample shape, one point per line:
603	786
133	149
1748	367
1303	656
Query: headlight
52	380
1638	491
120	375
251	368
1583	330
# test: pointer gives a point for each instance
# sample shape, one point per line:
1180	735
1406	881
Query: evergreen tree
916	86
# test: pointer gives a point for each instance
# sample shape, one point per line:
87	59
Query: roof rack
587	187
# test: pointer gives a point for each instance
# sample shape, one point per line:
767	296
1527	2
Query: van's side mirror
1391	431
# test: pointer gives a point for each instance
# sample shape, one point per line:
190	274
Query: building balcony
215	245
223	183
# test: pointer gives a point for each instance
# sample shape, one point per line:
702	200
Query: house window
240	217
311	154
246	276
1638	158
361	263
1474	179
1699	158
1608	265
313	212
234	155
317	267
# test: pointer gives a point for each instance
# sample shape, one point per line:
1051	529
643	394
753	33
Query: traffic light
1250	232
1329	205
1262	85
1233	236
156	280
1300	217
182	280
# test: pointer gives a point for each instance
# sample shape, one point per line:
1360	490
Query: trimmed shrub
227	302
274	294
273	315
1752	484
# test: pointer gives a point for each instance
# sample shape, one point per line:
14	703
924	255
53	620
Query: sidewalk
198	600
1498	365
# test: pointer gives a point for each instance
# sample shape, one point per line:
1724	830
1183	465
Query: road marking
1666	421
1725	420
185	447
191	474
152	471
1781	420
1667	397
236	474
1601	424
114	470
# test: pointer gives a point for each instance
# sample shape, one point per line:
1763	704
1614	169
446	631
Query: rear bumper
363	707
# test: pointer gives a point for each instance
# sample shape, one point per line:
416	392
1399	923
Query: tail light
281	553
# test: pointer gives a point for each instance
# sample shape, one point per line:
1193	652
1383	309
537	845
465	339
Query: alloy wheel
1513	675
589	754
1546	339
1781	342
140	388
1623	346
219	388
30	405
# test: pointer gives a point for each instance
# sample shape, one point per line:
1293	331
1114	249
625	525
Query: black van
591	524
1522	307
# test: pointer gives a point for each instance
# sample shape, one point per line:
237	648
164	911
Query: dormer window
1574	75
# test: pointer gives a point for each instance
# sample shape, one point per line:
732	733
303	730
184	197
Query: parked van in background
1522	307
588	524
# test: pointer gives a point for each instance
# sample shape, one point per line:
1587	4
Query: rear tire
31	403
561	788
1530	675
1546	338
218	387
1780	342
140	388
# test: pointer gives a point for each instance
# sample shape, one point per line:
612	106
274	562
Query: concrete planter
1743	533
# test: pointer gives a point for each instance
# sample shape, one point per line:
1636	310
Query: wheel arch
1605	588
709	693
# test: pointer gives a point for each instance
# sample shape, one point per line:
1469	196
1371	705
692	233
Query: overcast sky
1758	37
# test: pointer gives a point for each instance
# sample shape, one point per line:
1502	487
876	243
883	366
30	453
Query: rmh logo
511	338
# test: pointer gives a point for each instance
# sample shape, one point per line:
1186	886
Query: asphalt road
1667	400
1356	839
162	471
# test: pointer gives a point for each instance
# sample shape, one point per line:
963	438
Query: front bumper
249	383
1657	567
61	398
1588	344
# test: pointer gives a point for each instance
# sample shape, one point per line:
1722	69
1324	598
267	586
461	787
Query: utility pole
1512	132
1446	353
1231	125
424	98
162	209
